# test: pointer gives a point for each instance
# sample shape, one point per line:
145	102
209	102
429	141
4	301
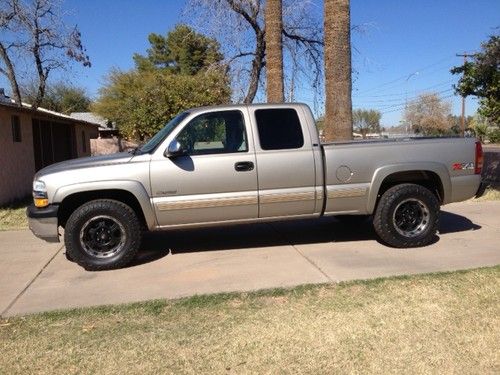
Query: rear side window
279	129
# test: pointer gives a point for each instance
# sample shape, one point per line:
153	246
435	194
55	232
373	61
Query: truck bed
355	169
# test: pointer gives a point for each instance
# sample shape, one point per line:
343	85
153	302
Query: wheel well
73	201
427	179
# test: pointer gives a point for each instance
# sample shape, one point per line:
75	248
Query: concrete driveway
35	276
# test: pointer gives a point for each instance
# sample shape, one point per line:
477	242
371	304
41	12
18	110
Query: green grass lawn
439	323
14	217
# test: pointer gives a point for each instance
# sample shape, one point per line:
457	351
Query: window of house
16	129
214	133
279	129
84	142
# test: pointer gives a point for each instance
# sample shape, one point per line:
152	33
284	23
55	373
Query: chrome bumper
43	222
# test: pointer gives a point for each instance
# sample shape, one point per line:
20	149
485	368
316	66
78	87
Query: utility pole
462	125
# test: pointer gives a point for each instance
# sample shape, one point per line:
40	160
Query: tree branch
302	39
252	20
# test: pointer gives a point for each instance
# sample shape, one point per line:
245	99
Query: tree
481	126
428	115
455	123
180	71
366	121
481	78
7	25
141	102
338	84
182	51
240	27
60	97
274	59
36	31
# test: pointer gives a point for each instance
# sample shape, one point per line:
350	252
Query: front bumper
482	188
43	222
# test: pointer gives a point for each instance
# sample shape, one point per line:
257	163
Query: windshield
163	133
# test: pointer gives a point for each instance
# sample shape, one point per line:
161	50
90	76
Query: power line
406	75
403	102
414	91
413	105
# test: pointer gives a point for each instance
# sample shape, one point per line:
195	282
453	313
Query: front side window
163	133
279	129
16	129
214	133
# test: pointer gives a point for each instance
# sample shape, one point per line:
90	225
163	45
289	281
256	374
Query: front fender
383	172
134	187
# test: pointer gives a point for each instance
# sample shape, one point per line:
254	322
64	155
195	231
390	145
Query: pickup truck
244	164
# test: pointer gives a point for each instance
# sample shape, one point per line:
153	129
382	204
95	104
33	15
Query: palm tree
338	106
274	52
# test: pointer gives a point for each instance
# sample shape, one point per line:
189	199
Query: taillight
479	158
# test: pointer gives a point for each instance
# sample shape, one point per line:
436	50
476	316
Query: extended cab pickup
248	163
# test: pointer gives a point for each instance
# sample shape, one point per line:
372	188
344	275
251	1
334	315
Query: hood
92	161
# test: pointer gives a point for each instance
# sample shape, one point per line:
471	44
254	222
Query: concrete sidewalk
35	276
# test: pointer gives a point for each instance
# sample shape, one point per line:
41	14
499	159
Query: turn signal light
479	158
41	202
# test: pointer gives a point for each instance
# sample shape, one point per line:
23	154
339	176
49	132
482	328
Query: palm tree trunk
274	51
338	106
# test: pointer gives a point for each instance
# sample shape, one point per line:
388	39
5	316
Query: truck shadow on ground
157	245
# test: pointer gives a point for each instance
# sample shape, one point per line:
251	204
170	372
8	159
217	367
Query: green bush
142	102
494	135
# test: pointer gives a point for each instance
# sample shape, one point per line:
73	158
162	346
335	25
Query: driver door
214	180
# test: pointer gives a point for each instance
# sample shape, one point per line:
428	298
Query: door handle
243	166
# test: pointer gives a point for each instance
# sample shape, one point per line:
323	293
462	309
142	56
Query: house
31	139
107	129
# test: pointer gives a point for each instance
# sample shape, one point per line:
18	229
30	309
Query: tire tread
382	219
71	235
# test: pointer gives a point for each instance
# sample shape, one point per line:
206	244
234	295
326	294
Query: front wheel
102	234
407	215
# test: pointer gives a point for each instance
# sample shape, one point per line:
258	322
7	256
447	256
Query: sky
406	47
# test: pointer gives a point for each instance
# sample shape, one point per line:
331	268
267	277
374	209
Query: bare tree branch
39	33
239	26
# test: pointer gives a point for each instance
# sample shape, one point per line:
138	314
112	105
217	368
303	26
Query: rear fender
383	172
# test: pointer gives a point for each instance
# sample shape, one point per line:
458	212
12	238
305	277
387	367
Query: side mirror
174	149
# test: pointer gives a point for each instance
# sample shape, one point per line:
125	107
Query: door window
279	129
214	133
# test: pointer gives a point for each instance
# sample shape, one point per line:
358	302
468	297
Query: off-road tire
115	210
384	219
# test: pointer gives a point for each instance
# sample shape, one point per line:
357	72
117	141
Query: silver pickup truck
243	164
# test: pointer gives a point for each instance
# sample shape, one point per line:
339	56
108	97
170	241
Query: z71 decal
462	166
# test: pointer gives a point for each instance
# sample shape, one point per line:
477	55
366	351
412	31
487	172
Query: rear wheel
407	215
102	234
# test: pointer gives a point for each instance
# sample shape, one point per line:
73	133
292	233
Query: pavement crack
13	302
310	261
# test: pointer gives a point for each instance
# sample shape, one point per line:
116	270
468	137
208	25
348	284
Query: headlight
40	194
39	186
